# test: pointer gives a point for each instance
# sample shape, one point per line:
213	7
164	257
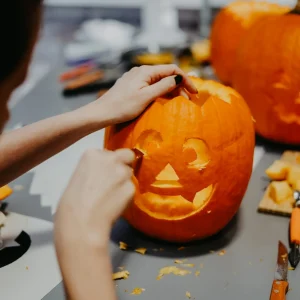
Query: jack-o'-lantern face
172	187
197	161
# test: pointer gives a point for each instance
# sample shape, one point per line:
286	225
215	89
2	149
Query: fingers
179	91
128	190
122	173
163	71
125	156
183	93
118	165
162	87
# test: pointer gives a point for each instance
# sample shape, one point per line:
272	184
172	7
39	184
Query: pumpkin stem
296	9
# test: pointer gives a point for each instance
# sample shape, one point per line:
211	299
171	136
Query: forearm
87	273
25	148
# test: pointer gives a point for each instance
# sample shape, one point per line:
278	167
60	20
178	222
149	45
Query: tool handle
279	290
5	191
84	80
295	226
76	72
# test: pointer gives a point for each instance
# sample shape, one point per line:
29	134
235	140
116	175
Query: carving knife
294	255
138	160
280	283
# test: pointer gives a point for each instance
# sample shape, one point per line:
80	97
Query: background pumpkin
197	162
270	80
228	28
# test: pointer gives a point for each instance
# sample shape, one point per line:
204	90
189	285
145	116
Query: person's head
19	27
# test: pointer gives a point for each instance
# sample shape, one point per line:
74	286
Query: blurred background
63	17
111	33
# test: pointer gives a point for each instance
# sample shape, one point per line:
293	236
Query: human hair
18	19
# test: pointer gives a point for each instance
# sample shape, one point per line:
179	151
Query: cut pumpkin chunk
280	192
278	170
293	176
297	185
120	275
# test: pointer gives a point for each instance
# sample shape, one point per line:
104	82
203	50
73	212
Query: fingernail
195	90
178	79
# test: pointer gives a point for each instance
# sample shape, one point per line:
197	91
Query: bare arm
102	187
87	273
25	148
84	218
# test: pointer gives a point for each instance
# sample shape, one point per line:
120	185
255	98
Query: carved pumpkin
229	26
267	75
197	162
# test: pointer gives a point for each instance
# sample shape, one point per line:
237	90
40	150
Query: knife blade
294	255
138	160
280	282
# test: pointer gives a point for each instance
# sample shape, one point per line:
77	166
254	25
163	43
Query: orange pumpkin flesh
229	27
197	162
270	80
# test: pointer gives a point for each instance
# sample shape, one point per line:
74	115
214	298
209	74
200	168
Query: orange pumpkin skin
228	28
270	79
207	144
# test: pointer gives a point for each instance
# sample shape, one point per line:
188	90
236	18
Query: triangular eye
196	153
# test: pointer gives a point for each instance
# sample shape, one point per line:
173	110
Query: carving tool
294	255
280	283
138	160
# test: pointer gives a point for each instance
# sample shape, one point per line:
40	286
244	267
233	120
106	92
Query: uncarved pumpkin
267	75
197	162
228	28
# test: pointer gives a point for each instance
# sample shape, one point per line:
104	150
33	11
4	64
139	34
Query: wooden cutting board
267	205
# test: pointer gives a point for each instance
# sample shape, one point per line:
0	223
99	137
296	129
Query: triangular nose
168	173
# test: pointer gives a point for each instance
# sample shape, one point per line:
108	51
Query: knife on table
280	283
294	255
76	72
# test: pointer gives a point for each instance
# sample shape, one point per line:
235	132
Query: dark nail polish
178	79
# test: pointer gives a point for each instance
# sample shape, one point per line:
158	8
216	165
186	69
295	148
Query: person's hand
100	189
136	89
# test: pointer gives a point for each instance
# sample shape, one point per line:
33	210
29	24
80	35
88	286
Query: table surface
245	271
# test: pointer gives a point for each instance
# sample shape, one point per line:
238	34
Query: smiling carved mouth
170	207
